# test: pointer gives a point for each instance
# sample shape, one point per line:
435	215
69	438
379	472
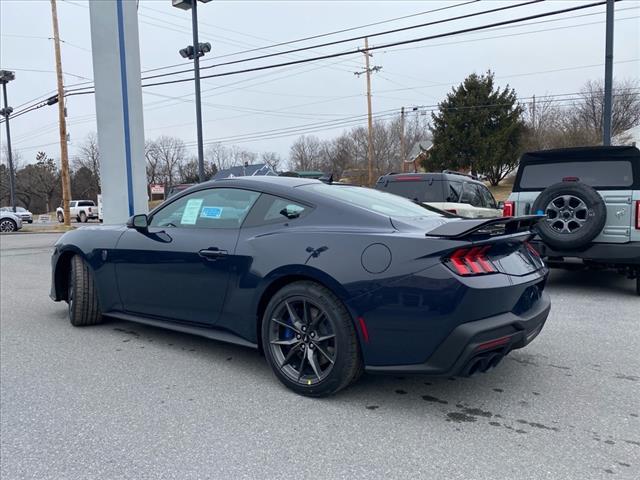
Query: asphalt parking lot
122	400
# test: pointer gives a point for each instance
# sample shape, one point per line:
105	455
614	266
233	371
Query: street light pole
6	77
608	76
196	76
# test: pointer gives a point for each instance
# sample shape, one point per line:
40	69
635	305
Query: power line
357	51
339	54
388	45
268	47
351	39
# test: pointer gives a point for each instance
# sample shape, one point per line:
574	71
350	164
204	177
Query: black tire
7	225
82	297
573	207
347	362
82	218
60	218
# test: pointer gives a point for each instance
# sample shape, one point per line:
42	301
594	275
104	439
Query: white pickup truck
81	210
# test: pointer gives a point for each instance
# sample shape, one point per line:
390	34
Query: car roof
440	176
599	153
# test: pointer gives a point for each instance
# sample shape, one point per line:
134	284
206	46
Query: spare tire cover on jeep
576	214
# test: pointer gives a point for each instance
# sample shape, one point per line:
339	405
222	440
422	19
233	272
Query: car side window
210	208
453	192
489	201
471	195
271	209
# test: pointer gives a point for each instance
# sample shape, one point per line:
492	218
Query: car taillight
471	261
509	209
637	214
532	249
451	210
407	178
89	209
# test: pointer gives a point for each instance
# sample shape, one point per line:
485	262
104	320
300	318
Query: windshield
373	200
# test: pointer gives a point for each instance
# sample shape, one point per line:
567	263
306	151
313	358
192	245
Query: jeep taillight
509	209
637	214
470	261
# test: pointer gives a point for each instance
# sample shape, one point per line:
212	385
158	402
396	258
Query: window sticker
211	212
191	210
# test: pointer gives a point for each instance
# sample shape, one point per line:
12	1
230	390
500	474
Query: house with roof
418	153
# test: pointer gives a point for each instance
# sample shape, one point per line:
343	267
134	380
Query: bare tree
41	180
625	107
88	160
272	159
305	153
164	155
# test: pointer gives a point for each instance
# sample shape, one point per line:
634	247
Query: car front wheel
60	218
7	225
310	341
82	296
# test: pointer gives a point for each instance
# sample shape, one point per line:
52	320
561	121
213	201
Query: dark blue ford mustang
326	280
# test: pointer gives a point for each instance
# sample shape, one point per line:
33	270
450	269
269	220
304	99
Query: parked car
326	280
9	222
591	199
81	210
24	214
453	192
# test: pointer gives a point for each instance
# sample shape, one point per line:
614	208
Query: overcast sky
554	57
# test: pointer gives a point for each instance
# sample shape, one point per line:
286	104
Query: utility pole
533	114
402	152
368	71
5	77
64	154
608	76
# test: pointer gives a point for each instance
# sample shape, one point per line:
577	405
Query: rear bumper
610	253
479	345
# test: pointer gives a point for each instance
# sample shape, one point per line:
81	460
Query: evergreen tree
478	127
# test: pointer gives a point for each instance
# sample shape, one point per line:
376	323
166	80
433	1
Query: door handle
212	253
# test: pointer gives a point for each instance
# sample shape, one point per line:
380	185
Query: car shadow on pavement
592	281
482	398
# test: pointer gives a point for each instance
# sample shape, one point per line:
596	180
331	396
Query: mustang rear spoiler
491	227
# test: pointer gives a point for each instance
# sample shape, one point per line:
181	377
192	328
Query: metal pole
196	71
608	77
369	114
402	152
64	154
12	181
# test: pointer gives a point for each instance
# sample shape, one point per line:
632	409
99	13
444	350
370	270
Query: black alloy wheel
575	215
566	213
302	340
309	340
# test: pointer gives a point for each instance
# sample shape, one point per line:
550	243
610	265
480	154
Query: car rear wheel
82	296
82	217
309	340
7	225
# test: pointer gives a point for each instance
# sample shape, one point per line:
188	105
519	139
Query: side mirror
139	222
501	205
